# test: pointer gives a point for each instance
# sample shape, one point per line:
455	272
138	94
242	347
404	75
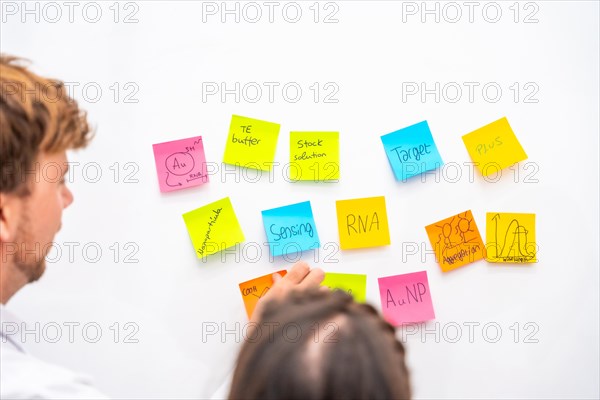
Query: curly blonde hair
36	115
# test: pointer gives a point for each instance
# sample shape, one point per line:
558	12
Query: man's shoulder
25	376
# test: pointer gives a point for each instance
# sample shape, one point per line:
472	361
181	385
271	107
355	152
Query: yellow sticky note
362	222
251	143
494	147
456	241
314	156
354	284
510	238
213	227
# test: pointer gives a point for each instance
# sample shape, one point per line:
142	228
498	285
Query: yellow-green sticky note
362	223
213	227
314	156
353	284
510	238
494	147
251	143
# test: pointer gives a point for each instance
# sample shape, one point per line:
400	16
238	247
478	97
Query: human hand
299	278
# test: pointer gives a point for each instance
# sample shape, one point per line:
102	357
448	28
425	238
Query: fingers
297	273
324	289
276	277
312	280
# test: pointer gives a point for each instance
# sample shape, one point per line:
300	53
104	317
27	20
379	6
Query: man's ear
10	207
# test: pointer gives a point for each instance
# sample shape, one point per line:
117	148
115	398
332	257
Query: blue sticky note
411	151
291	229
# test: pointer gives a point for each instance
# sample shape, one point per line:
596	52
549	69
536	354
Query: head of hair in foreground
39	122
321	345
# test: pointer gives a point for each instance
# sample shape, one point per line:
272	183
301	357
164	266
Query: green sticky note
251	143
213	227
314	156
354	284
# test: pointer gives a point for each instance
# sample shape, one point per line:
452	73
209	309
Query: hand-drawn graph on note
510	238
456	241
259	296
254	289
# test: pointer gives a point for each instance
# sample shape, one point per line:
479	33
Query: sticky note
254	289
456	241
494	147
353	284
411	151
406	298
180	164
213	227
362	222
510	238
291	229
314	156
251	143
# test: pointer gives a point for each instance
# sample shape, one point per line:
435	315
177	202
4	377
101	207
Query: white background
369	53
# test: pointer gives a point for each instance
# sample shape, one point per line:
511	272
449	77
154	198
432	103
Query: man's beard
29	259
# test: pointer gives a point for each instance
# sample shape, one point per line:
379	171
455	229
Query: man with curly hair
39	123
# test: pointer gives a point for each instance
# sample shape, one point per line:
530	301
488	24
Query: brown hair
36	115
321	345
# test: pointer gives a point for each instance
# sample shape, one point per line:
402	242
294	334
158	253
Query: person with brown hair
39	122
320	345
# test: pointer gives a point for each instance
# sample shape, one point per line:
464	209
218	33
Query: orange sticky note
362	222
494	147
254	289
456	241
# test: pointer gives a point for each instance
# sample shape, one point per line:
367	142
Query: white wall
368	54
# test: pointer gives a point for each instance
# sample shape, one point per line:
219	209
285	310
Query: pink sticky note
180	164
406	298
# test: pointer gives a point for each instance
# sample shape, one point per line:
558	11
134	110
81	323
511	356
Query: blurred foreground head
321	345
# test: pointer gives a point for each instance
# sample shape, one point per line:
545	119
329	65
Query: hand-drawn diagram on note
254	289
456	241
180	164
510	238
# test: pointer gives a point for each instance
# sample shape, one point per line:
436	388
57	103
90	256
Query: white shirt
23	376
